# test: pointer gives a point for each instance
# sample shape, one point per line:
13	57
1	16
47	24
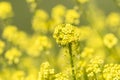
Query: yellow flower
18	75
32	5
41	15
110	40
30	1
13	55
87	52
85	32
113	19
58	12
111	72
31	77
38	44
9	32
66	33
72	17
94	67
61	76
5	10
82	1
20	39
45	71
39	22
64	75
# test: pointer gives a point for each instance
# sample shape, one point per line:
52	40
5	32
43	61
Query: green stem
95	76
71	60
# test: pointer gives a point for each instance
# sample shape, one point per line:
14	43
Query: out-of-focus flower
58	12
18	75
39	22
82	1
94	38
31	77
30	1
110	40
12	55
5	10
72	17
38	44
113	19
9	32
87	52
32	4
86	32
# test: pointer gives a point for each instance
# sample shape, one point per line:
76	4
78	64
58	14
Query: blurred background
27	44
22	16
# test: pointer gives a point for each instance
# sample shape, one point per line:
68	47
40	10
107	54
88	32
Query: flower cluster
111	72
13	55
110	40
66	33
5	10
94	67
46	71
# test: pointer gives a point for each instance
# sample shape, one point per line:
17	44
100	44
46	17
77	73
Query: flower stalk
71	60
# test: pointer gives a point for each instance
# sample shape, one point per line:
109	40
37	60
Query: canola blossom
59	40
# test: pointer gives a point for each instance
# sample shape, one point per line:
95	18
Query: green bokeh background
22	16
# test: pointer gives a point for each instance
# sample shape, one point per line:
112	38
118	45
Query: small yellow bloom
5	10
82	1
72	17
39	22
45	71
87	52
111	72
37	44
113	19
30	1
13	55
58	12
18	75
110	40
9	32
94	67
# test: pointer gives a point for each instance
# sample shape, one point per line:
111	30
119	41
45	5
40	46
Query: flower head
39	22
72	17
110	40
111	72
5	10
13	55
82	1
66	33
94	67
9	32
45	71
113	19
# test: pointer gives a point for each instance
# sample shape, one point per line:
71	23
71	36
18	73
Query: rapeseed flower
110	40
5	10
66	33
